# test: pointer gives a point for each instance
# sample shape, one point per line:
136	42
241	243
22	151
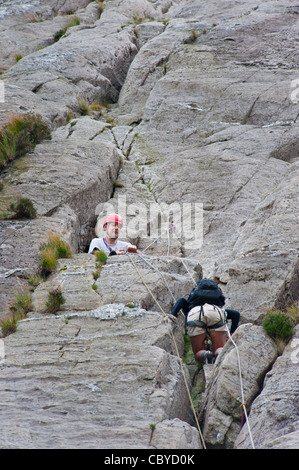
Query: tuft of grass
75	21
55	300
101	5
87	108
19	309
8	148
20	135
23	209
22	305
52	250
9	326
35	280
49	259
96	275
18	57
110	120
101	259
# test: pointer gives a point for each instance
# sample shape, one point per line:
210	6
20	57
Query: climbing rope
161	274
241	386
175	345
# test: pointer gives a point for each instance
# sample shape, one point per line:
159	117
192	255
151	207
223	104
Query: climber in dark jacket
204	313
201	295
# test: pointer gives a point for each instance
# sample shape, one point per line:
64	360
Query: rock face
156	108
94	378
98	371
166	277
274	416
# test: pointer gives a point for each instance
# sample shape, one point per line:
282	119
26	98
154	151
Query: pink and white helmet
113	218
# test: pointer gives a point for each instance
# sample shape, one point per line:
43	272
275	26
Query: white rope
152	243
161	274
187	269
241	385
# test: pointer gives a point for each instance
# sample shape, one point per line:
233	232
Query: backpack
206	291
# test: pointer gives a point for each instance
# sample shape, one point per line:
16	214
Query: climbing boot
207	357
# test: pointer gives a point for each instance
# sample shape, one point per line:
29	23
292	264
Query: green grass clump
9	326
20	135
55	300
87	108
18	57
22	305
35	280
280	325
23	209
70	23
19	309
51	251
101	257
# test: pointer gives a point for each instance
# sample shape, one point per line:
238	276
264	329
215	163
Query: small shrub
8	148
55	300
101	257
96	275
279	325
23	209
59	34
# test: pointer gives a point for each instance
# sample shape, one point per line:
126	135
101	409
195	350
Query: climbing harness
201	324
175	345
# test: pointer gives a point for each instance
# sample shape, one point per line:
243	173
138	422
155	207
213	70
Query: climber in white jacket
110	244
